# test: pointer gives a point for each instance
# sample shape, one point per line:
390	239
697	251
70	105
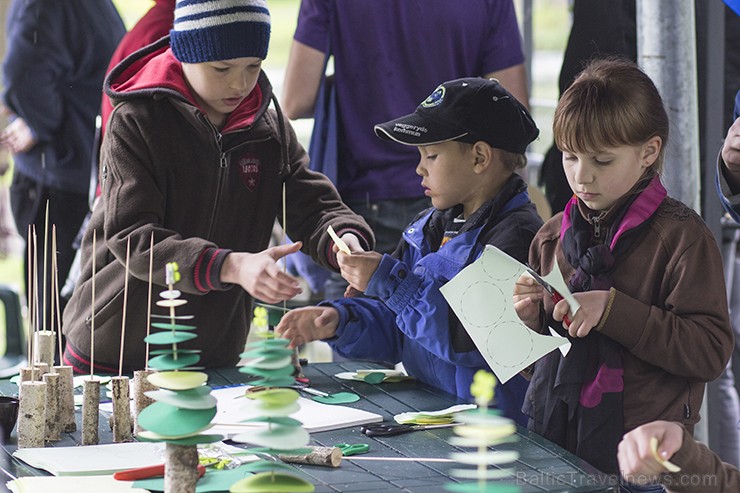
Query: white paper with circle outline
481	297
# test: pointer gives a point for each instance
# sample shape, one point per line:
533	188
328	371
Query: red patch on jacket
249	168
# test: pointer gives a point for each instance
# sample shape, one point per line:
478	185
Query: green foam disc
271	362
171	326
267	465
485	433
269	482
275	372
197	439
171	421
490	458
274	397
170	317
338	398
197	398
258	353
170	294
268	343
274	382
484	474
276	410
171	303
168	337
178	380
168	361
171	351
373	378
276	437
277	420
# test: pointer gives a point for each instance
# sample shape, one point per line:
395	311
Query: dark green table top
541	467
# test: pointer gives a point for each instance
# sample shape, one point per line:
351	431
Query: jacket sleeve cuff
207	272
332	257
393	283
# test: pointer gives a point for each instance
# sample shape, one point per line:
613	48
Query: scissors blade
540	281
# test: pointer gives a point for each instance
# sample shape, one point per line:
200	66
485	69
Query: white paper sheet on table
233	408
78	484
92	459
481	297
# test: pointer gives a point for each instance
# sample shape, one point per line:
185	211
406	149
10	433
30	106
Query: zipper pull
597	227
219	142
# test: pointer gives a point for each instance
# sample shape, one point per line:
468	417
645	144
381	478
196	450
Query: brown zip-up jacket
167	171
668	308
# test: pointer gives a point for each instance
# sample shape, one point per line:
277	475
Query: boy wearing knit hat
472	135
194	158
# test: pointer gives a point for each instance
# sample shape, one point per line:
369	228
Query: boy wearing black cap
194	158
472	135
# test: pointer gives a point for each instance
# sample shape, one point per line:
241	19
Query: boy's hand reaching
312	323
593	304
528	294
358	268
260	275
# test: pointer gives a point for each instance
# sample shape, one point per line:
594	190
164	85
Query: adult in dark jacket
54	69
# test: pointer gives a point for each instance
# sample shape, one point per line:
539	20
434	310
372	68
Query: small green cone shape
270	360
480	429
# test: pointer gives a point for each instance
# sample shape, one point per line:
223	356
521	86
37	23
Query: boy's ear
483	155
651	151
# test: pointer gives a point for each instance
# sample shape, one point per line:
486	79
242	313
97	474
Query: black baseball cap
468	110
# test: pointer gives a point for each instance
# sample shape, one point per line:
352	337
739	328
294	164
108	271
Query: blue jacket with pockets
405	317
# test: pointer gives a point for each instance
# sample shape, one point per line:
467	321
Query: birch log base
66	399
121	410
32	415
319	456
90	412
180	468
53	422
141	401
45	347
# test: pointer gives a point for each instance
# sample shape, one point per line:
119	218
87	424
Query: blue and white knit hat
210	30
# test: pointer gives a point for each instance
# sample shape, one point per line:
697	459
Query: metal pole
666	51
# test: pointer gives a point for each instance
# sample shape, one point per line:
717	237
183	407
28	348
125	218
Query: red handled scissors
554	295
148	472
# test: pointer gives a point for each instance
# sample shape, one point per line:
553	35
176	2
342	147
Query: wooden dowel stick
56	292
149	301
46	248
35	293
29	293
92	309
123	315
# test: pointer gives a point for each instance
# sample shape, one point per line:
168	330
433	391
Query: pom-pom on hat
210	30
467	110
